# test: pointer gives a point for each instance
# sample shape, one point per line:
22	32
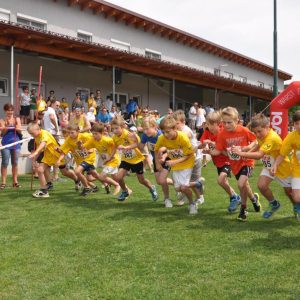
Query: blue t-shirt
150	141
104	118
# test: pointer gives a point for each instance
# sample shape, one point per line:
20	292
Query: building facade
83	45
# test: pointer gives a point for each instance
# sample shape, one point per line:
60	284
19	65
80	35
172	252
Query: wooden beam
72	2
131	21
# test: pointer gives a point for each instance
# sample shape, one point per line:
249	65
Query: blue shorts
12	154
87	167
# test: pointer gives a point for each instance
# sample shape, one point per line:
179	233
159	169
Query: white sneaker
168	203
181	199
200	200
40	194
193	209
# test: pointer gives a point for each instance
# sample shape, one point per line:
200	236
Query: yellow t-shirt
80	122
105	147
64	105
51	155
92	103
271	146
291	143
177	148
70	145
132	156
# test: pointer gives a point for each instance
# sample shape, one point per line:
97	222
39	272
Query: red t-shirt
218	160
242	137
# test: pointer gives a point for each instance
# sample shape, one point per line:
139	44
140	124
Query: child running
235	135
208	139
45	143
182	158
104	145
268	149
132	158
195	183
292	143
149	137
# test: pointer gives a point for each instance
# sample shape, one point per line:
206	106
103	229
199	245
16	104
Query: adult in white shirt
200	117
193	116
108	103
25	101
50	119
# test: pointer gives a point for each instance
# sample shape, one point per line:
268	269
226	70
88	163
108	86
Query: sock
244	206
254	199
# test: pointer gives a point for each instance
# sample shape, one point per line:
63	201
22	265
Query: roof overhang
58	45
130	18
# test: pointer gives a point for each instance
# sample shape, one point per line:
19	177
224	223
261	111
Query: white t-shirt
193	139
193	113
200	117
48	125
25	99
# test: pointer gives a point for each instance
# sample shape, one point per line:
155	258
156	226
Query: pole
114	84
173	94
216	99
250	107
12	75
275	74
17	106
40	81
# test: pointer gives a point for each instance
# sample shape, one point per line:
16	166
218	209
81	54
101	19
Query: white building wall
64	78
67	20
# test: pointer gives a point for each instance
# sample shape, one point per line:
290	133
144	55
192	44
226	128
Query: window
228	75
121	100
261	84
120	45
3	86
217	72
4	15
243	79
153	54
32	85
85	36
32	22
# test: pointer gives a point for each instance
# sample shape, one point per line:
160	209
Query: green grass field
69	247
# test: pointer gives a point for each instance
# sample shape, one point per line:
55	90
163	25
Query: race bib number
129	154
151	146
175	154
232	156
81	153
268	161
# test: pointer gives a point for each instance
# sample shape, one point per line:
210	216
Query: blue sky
245	26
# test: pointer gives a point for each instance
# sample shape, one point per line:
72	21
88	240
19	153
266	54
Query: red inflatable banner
279	118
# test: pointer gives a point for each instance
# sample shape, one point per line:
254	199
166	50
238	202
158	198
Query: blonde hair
179	115
167	122
213	117
33	125
260	120
230	112
149	122
73	128
118	121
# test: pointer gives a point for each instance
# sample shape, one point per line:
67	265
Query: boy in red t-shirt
235	136
208	139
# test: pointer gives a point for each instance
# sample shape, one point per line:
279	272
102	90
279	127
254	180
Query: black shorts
225	169
163	165
25	110
245	170
134	168
87	167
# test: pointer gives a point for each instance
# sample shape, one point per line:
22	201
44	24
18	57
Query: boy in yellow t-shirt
181	153
291	143
268	149
105	145
45	142
132	158
85	160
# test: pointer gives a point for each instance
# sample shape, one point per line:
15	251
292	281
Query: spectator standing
99	101
91	102
25	100
11	132
193	116
64	104
131	107
33	105
77	103
108	103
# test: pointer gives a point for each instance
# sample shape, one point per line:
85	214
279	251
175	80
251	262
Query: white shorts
295	183
284	182
110	170
182	177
